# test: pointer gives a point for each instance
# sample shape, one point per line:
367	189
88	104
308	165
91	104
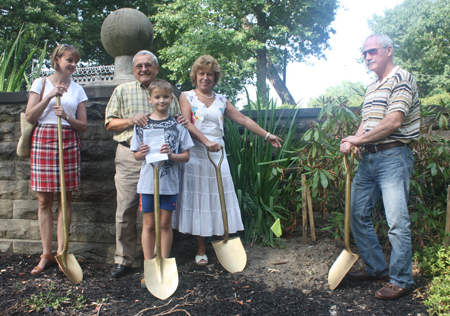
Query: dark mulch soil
201	291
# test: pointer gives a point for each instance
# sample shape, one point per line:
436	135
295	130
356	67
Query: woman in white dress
198	207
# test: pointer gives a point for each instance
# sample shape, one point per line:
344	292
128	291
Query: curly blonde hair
60	50
206	61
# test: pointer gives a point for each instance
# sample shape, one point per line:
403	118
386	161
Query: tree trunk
261	74
278	84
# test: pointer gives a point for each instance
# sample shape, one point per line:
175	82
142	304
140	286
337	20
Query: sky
351	25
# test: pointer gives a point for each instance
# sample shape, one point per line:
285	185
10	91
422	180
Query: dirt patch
291	280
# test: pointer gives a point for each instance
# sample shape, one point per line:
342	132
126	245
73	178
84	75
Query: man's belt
377	148
124	144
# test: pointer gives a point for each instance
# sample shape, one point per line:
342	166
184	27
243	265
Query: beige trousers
126	179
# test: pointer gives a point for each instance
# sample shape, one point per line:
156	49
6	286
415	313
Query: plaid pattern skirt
45	176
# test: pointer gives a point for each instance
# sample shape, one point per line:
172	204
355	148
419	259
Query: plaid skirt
45	176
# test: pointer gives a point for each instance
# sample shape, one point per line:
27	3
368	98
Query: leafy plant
257	169
438	301
12	77
50	299
434	260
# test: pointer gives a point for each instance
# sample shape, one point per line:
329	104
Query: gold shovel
161	274
230	252
69	265
346	259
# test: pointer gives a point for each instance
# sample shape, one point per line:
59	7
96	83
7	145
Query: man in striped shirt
390	122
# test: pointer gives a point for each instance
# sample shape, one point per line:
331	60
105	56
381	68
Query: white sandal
200	258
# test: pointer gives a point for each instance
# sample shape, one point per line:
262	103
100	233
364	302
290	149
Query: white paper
154	138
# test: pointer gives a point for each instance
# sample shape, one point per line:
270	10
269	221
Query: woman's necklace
212	94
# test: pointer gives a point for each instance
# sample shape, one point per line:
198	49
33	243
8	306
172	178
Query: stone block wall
92	232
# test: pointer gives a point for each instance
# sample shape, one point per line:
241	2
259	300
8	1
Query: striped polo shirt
397	92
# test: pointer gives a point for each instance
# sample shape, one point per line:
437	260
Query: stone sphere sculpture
125	32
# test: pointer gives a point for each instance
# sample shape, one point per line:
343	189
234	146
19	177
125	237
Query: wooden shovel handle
62	179
221	194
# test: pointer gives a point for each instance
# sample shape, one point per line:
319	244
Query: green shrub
438	301
434	261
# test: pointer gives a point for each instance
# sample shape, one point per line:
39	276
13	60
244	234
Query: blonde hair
206	61
60	50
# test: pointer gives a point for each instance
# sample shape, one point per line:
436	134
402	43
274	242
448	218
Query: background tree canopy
76	22
420	31
245	36
352	94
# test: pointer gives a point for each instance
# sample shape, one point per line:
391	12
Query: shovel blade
71	268
231	254
161	277
340	268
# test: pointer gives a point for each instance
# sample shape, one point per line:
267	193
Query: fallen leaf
273	270
249	301
240	302
246	287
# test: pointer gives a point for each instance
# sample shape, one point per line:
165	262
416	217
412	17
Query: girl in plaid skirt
44	154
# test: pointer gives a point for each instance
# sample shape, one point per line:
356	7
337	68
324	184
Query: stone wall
92	232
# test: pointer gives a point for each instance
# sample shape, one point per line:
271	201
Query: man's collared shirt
397	92
127	100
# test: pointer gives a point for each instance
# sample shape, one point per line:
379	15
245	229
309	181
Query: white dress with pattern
198	207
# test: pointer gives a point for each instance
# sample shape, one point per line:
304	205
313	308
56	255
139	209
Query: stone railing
92	232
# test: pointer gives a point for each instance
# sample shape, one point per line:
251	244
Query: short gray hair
146	52
383	40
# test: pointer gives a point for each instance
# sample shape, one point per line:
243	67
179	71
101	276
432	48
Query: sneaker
143	286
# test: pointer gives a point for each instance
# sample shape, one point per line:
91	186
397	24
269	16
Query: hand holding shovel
346	259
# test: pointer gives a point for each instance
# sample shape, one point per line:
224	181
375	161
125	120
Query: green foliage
346	92
438	301
236	31
319	159
50	299
13	66
257	168
420	30
434	260
437	99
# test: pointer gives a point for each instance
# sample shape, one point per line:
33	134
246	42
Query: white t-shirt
75	95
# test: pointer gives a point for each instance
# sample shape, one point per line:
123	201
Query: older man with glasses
129	105
390	122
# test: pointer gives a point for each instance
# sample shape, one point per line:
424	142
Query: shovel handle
157	209
221	194
62	179
348	188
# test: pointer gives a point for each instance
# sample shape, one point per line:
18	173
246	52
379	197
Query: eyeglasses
140	66
372	51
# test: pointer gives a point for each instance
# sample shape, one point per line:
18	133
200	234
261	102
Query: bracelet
67	117
267	136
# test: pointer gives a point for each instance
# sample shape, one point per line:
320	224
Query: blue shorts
166	202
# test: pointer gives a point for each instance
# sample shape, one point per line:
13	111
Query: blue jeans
384	174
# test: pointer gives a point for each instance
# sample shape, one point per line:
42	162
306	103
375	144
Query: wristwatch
67	117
